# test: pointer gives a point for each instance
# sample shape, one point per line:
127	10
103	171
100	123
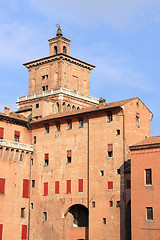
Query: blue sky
120	37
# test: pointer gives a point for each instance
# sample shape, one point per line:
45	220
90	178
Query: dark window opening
47	87
149	213
33	183
81	123
45	77
137	104
31	161
101	173
69	156
37	105
31	205
69	125
58	127
64	49
22	212
34	139
118	131
47	128
137	118
44	216
46	159
109	117
55	50
148	173
104	220
43	88
118	204
46	163
110	150
111	203
93	204
118	171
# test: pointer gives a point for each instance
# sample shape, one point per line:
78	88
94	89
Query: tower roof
59	31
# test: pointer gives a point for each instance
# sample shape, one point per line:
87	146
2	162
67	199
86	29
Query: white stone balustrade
16	145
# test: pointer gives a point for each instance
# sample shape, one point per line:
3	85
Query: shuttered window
80	185
149	213
69	156
47	156
16	136
110	150
68	190
25	188
24	232
46	188
57	187
148	173
1	231
110	185
1	133
2	186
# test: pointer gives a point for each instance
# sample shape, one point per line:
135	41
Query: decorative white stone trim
16	145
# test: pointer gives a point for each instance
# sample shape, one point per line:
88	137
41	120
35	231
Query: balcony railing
55	91
16	145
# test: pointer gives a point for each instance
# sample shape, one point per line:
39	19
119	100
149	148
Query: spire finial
59	31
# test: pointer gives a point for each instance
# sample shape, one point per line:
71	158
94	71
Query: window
1	231
111	203
45	188
34	139
46	87
46	159
55	50
57	187
33	183
45	77
37	105
101	173
104	220
24	232
118	131
80	185
22	212
118	204
31	205
118	171
68	190
137	118
31	161
46	128
81	123
93	204
16	136
69	124
25	188
64	49
110	185
128	184
149	213
109	117
110	150
2	186
148	176
58	128
137	104
69	156
44	216
43	88
1	133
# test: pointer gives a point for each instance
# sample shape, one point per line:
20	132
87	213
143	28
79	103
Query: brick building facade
64	155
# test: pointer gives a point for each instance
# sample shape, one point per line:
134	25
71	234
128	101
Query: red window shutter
57	187
128	183
1	133
1	231
68	186
46	188
137	115
80	185
69	153
2	186
47	156
110	147
24	232
110	185
17	133
25	188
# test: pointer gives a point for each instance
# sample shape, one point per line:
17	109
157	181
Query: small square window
101	173
111	203
37	105
46	162
93	204
34	139
118	131
44	216
118	204
43	77
149	213
33	183
81	123
22	212
104	220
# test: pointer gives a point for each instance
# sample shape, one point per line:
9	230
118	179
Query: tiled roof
151	141
16	116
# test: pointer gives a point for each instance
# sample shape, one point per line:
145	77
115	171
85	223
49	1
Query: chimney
102	102
7	110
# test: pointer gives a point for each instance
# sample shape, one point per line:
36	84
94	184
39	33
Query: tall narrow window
1	231
1	133
2	186
80	123
46	128
69	124
58	126
68	190
148	176
57	187
110	185
110	150
64	49
80	185
55	50
33	183
93	204
22	212
16	136
69	156
149	213
43	88
25	188
109	117
24	232
137	118
104	220
46	159
111	203
45	188
34	139
44	216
